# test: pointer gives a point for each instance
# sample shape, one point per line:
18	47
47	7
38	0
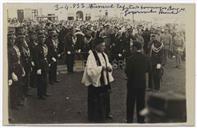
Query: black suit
136	67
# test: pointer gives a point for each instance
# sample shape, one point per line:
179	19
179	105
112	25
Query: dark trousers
26	80
13	95
16	93
154	78
135	96
70	62
146	50
98	103
20	93
53	72
42	84
33	78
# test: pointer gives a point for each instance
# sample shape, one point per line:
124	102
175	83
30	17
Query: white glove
79	50
158	66
131	44
10	82
53	58
49	65
14	77
39	72
32	63
58	55
119	55
23	75
68	52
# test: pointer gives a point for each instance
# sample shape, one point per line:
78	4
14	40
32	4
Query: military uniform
41	66
15	72
70	52
156	55
52	56
32	44
25	59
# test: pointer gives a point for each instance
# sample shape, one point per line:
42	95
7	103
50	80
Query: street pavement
68	102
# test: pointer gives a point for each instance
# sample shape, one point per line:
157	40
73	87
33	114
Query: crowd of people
34	49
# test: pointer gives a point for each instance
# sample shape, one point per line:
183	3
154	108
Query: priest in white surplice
98	76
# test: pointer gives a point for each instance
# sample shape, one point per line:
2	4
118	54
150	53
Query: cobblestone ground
68	103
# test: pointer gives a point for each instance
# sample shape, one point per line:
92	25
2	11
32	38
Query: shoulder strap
96	58
99	64
107	71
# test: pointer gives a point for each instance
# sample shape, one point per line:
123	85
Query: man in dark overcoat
137	66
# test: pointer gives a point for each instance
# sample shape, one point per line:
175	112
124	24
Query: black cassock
99	98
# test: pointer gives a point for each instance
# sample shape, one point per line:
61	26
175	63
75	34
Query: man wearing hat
166	39
146	35
41	66
15	72
25	58
69	50
32	44
137	66
52	56
98	76
79	40
156	55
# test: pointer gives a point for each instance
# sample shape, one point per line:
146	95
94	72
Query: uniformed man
25	58
15	72
32	44
114	42
88	42
178	45
146	35
79	40
79	45
52	56
69	50
166	39
156	55
41	66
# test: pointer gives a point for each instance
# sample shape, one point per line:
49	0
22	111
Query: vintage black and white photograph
97	63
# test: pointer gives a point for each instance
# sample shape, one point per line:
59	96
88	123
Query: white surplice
92	72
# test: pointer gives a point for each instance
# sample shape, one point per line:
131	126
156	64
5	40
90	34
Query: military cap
20	32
